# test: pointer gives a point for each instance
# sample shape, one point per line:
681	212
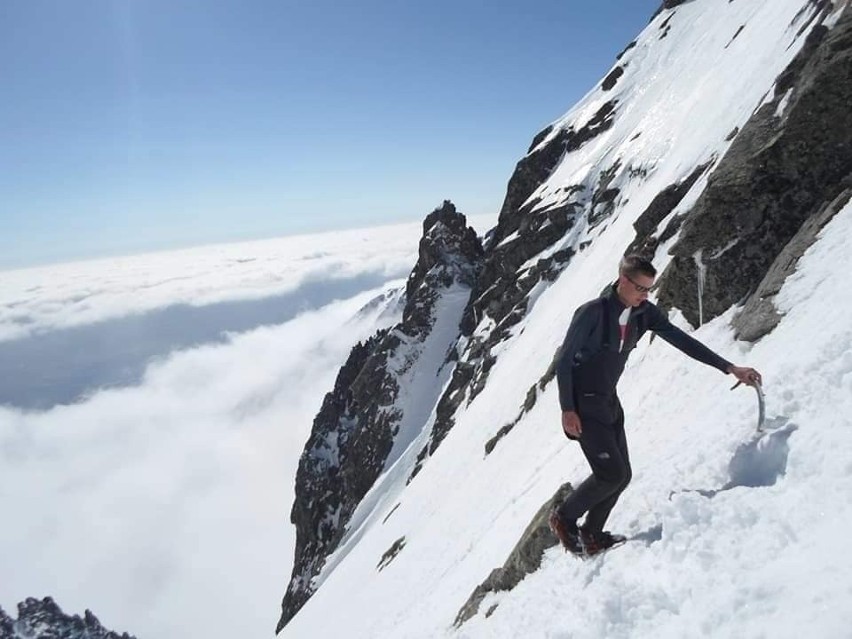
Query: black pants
605	447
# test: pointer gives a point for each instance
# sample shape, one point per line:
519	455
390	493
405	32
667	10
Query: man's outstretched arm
687	344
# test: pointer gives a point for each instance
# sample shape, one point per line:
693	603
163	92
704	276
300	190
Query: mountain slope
714	104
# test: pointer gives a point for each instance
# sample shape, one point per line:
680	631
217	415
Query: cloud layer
176	391
164	506
36	300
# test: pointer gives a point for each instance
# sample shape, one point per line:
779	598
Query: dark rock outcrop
666	26
538	164
6	625
661	206
355	430
759	315
790	161
524	559
391	553
734	37
44	619
524	230
604	201
450	251
668	4
625	50
611	78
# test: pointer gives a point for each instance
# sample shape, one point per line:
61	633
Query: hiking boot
595	542
567	534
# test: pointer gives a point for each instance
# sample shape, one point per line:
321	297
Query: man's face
633	289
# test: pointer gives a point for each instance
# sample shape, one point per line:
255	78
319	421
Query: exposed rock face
369	413
791	160
43	619
524	559
6	625
659	209
613	76
759	315
625	50
540	161
668	4
449	252
391	554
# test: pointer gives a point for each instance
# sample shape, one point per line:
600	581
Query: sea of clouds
152	413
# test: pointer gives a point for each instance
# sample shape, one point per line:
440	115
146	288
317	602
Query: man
599	340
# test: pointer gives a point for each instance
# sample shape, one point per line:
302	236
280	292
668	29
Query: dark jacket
586	338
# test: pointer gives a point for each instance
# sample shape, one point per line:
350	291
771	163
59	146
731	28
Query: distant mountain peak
44	619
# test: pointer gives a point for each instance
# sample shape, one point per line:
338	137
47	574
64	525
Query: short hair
632	265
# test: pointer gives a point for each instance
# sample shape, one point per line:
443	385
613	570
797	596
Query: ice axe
761	405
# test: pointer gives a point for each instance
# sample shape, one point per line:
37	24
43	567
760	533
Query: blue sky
141	125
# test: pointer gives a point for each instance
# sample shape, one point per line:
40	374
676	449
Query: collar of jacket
609	293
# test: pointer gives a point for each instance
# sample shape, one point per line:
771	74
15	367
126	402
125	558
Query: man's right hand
571	424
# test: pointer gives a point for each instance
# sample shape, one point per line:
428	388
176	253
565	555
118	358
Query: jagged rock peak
446	212
44	619
449	249
365	418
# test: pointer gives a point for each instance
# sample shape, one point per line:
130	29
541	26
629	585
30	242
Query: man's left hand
746	375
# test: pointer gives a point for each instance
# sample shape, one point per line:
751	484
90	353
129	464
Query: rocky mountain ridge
44	619
375	409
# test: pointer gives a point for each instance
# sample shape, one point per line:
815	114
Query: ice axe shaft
761	405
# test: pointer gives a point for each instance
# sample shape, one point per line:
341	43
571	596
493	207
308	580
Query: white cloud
47	298
164	507
36	300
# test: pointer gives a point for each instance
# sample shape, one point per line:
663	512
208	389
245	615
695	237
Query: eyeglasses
639	287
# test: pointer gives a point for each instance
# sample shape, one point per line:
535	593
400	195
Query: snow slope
730	526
